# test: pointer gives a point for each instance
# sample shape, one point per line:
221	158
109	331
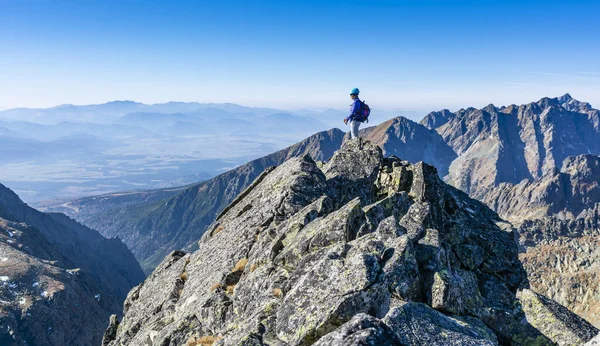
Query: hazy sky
402	54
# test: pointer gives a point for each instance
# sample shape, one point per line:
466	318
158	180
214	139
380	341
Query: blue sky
417	55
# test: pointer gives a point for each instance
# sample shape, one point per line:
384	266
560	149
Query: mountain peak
565	98
123	102
434	120
490	108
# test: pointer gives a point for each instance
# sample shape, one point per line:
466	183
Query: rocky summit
360	250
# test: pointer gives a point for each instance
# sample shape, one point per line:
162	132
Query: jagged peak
490	108
565	98
436	119
565	101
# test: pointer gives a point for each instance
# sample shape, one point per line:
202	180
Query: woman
354	109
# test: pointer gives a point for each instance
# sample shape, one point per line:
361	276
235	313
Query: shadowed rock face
360	250
40	302
59	280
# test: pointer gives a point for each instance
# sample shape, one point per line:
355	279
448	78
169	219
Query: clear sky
402	54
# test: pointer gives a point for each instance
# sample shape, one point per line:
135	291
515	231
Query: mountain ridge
509	144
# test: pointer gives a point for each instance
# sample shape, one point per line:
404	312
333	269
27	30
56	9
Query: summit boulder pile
360	250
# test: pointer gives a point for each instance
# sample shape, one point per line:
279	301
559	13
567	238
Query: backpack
363	113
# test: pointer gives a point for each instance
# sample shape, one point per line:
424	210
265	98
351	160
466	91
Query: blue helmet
354	91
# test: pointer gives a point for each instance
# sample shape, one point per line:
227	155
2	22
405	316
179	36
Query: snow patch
44	294
4	278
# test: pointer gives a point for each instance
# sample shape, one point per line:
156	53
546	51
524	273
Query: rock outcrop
59	281
359	250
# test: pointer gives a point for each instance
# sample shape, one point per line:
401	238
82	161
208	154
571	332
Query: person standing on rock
353	117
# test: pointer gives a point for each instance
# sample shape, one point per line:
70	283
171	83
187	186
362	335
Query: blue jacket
354	109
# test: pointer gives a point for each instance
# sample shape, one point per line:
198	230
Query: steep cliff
59	280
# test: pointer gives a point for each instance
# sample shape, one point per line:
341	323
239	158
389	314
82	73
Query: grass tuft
203	341
217	230
240	265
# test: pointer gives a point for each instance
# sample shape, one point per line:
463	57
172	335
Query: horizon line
312	108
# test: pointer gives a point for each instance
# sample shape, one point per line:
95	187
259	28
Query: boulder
419	324
555	321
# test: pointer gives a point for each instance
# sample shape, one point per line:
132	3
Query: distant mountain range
564	193
59	280
110	112
72	151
